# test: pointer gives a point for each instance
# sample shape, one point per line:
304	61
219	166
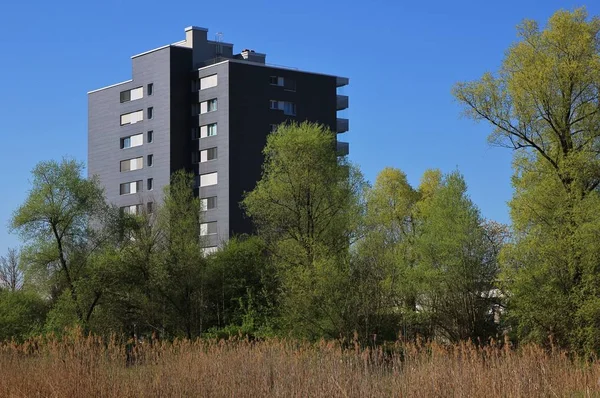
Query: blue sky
402	58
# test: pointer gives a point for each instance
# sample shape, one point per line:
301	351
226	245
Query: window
195	133
132	141
150	207
208	179
208	82
150	89
195	109
208	106
209	250
289	108
208	228
212	130
150	160
276	80
208	131
132	95
208	203
129	188
286	83
132	117
208	154
195	156
133	209
149	184
150	136
125	96
150	113
132	164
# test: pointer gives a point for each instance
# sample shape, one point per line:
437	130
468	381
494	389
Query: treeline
333	255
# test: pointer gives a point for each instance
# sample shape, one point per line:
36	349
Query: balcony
342	125
342	148
341	81
342	102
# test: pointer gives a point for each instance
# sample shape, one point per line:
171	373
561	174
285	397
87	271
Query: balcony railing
342	102
341	81
342	148
342	125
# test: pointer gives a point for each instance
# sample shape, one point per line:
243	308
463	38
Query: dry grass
80	366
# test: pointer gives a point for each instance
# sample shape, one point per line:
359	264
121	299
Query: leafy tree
22	313
426	263
242	287
385	259
545	98
544	104
306	207
138	305
457	264
179	275
56	222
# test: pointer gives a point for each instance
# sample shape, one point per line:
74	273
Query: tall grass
79	366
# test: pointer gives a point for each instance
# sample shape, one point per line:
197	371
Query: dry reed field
79	366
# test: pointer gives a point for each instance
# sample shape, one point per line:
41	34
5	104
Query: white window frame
134	141
132	209
134	164
133	187
134	94
204	203
208	82
207	251
204	155
205	106
209	179
206	129
204	228
132	117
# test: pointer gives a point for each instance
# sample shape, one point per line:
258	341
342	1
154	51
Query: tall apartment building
196	105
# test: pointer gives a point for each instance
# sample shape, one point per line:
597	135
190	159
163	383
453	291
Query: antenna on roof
219	46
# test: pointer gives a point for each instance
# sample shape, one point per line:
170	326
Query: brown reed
80	366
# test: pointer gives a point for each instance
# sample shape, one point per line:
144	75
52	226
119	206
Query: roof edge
111	86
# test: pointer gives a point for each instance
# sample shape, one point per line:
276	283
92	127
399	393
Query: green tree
56	221
384	259
242	287
22	313
179	275
427	264
306	207
457	264
543	103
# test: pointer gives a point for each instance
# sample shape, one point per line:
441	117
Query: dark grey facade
205	110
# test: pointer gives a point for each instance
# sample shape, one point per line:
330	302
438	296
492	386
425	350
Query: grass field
80	366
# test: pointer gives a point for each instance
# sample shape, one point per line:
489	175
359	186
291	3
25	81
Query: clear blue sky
402	58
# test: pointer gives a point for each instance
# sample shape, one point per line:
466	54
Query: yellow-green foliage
544	103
